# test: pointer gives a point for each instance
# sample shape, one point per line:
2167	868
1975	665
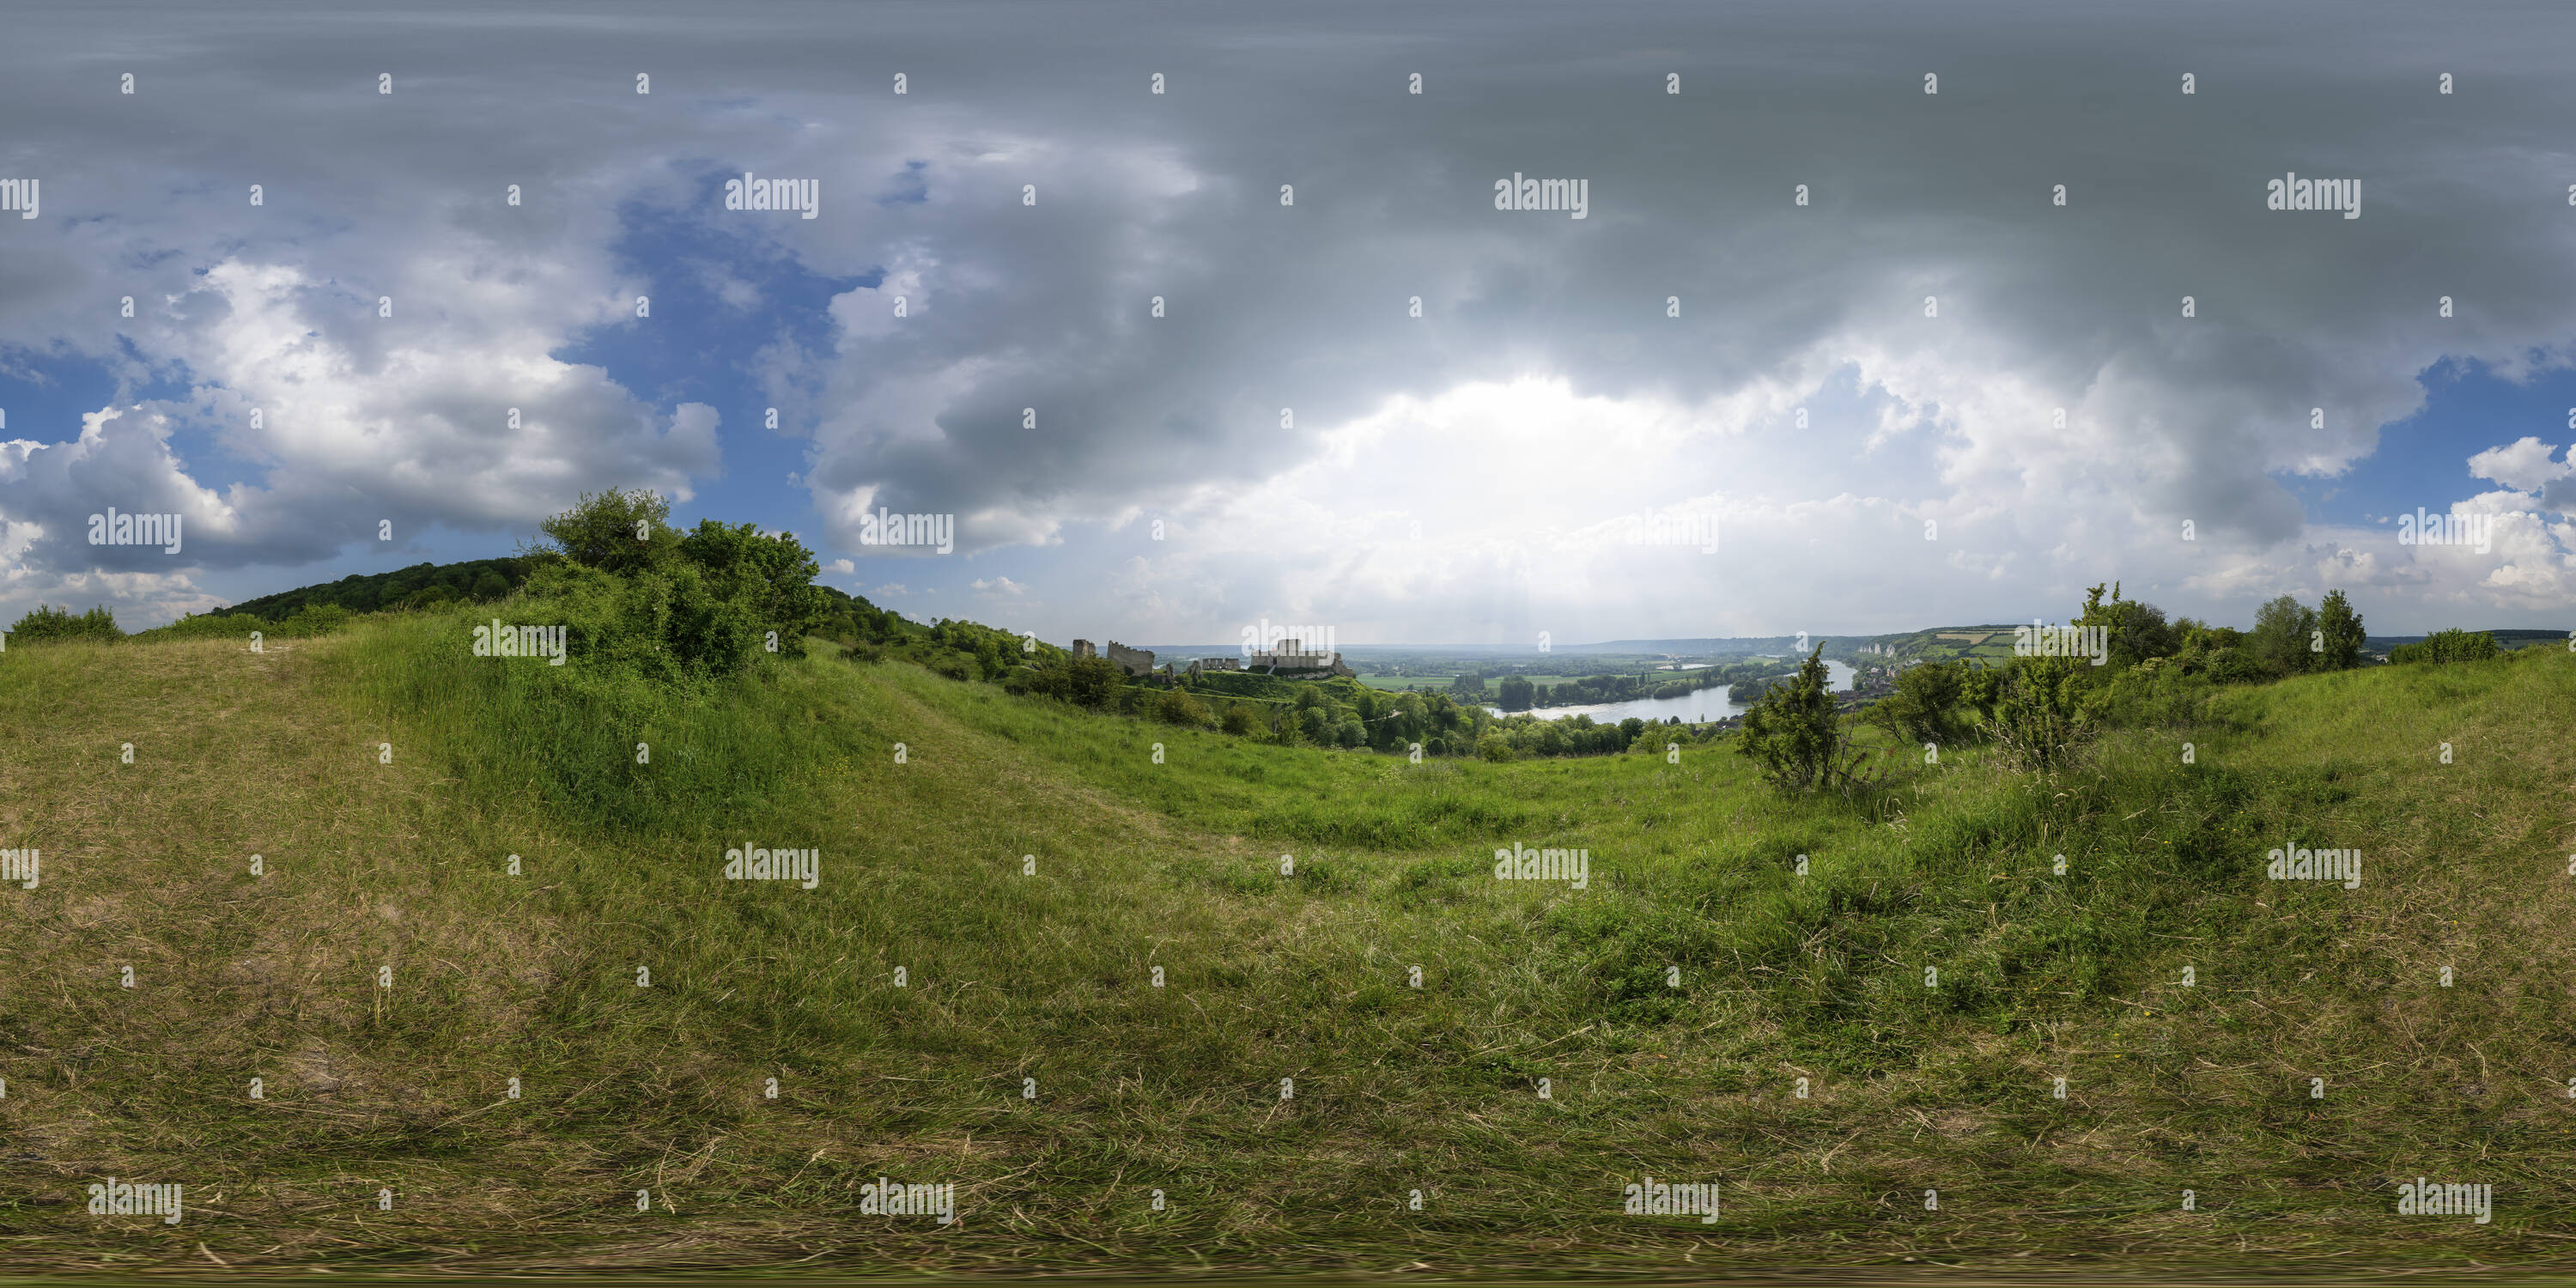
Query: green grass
1175	862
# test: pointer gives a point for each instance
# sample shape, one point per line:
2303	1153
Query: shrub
1089	682
199	626
1177	707
1238	719
311	622
1924	707
1495	747
1797	740
43	624
639	597
2040	718
2156	693
2452	645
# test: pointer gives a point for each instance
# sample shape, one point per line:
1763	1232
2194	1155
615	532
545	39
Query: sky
1194	320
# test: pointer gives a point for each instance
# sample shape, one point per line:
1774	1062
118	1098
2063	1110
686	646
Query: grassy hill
385	777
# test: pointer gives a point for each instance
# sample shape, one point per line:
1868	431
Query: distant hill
487	580
474	581
2510	639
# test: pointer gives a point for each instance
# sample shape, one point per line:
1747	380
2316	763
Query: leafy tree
670	607
616	531
1516	693
43	623
2134	631
2341	628
2279	642
771	579
1924	707
1238	719
1796	738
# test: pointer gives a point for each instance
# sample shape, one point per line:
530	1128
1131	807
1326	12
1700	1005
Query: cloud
2522	465
1001	586
1929	312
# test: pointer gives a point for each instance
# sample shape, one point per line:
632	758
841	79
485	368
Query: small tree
1797	739
2342	633
2135	631
1924	706
2281	635
2039	715
615	531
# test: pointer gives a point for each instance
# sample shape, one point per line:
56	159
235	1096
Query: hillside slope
385	779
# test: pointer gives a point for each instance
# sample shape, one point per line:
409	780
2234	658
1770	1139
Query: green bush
1089	682
46	624
2452	645
1796	739
2040	711
639	598
317	620
2154	693
200	626
1177	707
1924	707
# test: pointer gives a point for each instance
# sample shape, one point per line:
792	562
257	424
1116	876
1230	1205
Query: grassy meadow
385	777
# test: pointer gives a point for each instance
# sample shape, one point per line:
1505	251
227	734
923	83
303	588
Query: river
1693	708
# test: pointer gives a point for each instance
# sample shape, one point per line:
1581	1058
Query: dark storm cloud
1269	307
